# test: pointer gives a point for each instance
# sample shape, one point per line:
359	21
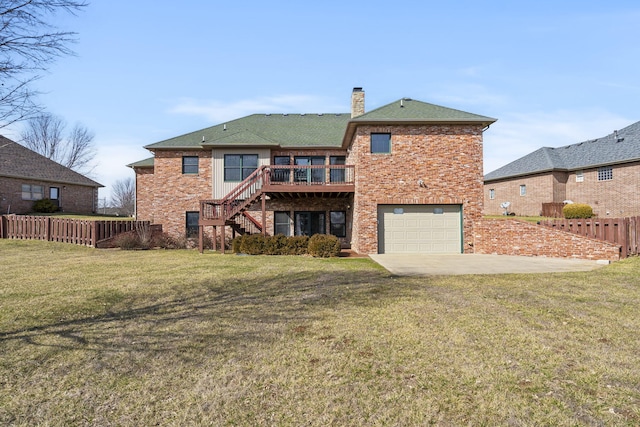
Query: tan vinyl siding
221	188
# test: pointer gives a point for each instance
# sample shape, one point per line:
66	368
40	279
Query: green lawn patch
92	337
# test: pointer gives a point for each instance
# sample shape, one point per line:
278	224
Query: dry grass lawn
175	338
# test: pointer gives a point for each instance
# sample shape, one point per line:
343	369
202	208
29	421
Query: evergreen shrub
324	246
577	210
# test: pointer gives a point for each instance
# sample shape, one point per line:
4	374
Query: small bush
45	206
577	210
276	245
297	245
167	241
324	246
236	244
129	241
253	244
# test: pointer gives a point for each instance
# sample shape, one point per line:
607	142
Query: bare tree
123	196
45	134
29	42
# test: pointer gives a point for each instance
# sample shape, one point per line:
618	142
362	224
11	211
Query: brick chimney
357	102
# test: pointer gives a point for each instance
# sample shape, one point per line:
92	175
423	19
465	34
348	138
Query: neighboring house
26	176
603	173
406	177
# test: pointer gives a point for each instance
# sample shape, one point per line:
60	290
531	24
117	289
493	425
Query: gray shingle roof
17	161
618	147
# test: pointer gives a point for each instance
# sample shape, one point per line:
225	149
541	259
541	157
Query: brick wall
614	198
513	237
448	158
73	198
145	188
539	189
167	194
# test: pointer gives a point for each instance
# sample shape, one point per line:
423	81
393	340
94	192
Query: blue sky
552	72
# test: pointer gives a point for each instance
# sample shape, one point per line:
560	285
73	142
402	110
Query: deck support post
200	239
222	234
264	215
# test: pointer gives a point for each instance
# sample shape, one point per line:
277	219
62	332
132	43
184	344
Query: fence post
623	236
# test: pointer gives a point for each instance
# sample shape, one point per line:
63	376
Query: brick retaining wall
514	237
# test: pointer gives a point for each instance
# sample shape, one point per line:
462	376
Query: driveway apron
449	264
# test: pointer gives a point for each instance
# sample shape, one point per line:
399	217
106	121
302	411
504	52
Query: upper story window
579	176
237	167
523	190
32	192
605	173
337	174
380	143
189	165
492	194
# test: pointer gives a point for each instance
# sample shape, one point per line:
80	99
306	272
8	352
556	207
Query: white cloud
219	111
113	158
516	135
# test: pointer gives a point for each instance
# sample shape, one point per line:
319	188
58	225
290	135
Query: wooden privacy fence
552	210
64	230
620	231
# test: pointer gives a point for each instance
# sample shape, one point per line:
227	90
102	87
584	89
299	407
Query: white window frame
605	173
523	190
492	193
579	176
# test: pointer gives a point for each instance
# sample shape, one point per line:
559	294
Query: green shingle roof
312	130
284	130
407	109
146	163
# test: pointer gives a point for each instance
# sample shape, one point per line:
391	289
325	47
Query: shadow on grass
214	317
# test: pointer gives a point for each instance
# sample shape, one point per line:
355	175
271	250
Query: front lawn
139	338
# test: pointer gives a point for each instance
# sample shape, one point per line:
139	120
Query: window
54	193
579	176
605	173
190	165
192	219
380	142
337	175
523	190
32	192
282	223
338	223
492	194
308	173
237	167
309	223
281	174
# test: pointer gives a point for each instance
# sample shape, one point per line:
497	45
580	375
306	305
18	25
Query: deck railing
275	176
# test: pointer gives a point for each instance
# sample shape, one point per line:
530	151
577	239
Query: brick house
26	176
603	173
405	177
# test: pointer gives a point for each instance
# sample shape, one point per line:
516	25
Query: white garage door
419	229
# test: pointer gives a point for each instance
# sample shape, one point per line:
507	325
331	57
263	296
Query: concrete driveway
447	264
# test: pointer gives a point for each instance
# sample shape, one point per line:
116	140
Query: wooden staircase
232	209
